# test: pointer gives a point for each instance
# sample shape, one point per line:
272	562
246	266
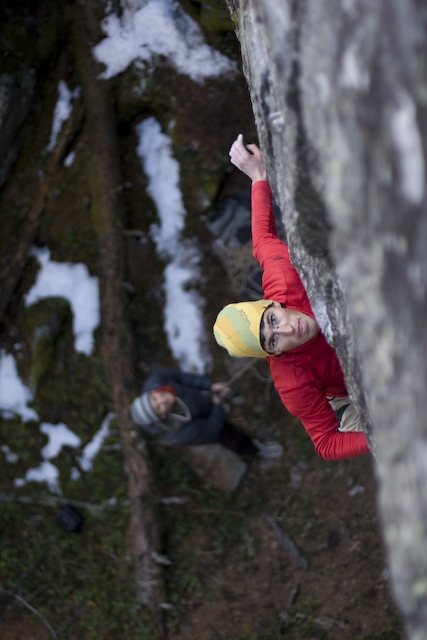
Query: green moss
18	46
82	583
42	324
301	623
385	634
302	443
138	90
49	33
214	16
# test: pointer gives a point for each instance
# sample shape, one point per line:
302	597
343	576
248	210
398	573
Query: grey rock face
339	92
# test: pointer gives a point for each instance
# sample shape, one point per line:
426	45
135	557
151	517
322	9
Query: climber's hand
248	158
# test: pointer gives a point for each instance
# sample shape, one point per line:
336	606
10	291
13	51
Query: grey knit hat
142	412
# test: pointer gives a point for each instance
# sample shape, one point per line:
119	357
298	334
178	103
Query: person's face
283	329
161	402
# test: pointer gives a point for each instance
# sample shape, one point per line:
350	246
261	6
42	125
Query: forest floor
232	577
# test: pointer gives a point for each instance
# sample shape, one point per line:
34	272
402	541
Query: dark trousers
236	440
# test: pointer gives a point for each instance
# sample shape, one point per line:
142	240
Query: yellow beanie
237	329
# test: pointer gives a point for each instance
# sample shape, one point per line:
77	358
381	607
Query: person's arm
248	158
198	430
319	420
265	242
166	376
219	391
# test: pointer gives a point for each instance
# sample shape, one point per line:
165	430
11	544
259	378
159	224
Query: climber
182	409
282	328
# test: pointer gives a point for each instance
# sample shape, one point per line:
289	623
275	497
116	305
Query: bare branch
287	543
33	610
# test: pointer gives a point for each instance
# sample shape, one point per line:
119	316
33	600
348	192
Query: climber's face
161	402
283	329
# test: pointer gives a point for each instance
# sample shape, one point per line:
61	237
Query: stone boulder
219	467
339	93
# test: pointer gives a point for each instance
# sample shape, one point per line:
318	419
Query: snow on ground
62	111
68	160
147	30
59	435
14	395
46	472
73	282
92	448
183	310
9	455
14	400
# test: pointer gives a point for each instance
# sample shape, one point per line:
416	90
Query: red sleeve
264	233
310	405
280	280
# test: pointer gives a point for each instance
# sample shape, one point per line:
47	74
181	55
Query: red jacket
303	376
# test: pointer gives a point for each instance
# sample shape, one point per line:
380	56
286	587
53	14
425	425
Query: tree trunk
103	167
338	91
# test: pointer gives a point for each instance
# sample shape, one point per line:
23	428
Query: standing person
185	409
282	328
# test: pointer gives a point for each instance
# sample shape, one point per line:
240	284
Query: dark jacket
207	419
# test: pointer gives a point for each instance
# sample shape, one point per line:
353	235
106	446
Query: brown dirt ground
345	591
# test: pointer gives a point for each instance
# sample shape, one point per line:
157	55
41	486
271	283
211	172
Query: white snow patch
155	151
356	489
407	141
62	111
73	282
46	472
75	473
9	455
58	435
158	28
68	160
183	319
14	395
92	448
183	309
